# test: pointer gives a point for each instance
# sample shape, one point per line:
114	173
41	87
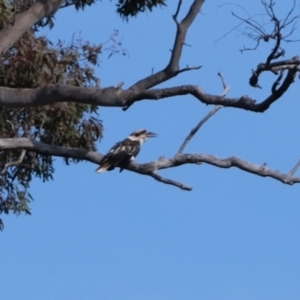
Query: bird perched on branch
125	151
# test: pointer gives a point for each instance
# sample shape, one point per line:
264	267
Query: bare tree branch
110	96
116	97
274	67
211	113
187	68
256	31
172	69
292	172
182	159
225	86
177	12
150	169
46	149
25	20
195	130
170	181
243	102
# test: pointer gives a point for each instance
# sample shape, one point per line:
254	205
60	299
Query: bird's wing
124	150
119	155
121	151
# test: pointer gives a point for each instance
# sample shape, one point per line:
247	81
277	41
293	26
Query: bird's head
141	135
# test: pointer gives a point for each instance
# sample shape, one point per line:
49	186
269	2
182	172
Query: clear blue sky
125	236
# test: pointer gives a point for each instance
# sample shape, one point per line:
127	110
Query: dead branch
277	82
274	67
187	68
149	169
116	97
225	86
211	113
177	12
243	102
170	181
195	130
256	31
292	172
172	69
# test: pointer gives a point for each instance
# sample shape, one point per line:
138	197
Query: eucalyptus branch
25	20
170	181
151	169
115	96
172	69
211	113
194	130
177	12
292	172
13	163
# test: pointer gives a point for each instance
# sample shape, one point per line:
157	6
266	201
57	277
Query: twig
211	113
292	172
258	27
177	12
170	181
256	31
263	167
225	86
189	69
13	163
194	130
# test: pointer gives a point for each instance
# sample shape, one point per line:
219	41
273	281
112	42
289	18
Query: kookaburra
125	151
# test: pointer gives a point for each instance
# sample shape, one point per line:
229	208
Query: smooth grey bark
25	20
151	169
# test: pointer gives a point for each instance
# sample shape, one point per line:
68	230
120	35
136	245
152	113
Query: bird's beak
151	134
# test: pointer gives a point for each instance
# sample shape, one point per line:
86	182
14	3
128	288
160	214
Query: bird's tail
104	166
101	169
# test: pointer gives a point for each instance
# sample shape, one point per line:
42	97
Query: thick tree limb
274	67
116	97
25	20
111	96
151	169
46	149
243	102
172	69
